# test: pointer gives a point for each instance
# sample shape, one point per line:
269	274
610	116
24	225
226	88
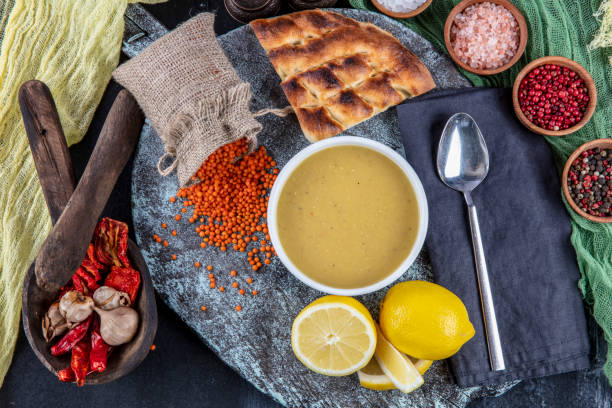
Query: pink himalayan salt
485	36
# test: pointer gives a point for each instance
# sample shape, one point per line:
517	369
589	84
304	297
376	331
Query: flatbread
336	71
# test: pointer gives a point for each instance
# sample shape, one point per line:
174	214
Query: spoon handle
496	356
48	146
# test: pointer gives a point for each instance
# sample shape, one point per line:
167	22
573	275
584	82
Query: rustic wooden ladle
75	213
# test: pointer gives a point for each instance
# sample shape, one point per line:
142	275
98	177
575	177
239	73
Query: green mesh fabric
557	28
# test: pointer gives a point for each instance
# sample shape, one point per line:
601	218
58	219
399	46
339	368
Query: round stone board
256	341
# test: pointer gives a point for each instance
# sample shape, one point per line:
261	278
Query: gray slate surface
256	341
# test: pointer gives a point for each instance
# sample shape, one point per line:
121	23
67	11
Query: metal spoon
463	163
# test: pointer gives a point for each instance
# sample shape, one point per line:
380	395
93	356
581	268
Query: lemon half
334	335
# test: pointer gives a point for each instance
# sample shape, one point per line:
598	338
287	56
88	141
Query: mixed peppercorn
589	181
106	266
228	201
553	97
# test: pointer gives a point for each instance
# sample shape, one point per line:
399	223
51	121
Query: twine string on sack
222	115
184	121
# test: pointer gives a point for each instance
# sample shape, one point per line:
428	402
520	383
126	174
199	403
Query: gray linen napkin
526	236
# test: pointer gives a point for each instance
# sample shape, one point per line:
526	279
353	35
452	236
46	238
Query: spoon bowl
463	163
463	158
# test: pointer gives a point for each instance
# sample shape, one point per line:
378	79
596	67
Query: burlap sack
191	94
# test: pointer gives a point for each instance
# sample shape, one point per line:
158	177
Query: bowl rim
396	158
585	146
408	14
523	35
564	62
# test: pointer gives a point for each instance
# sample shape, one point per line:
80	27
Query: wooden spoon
75	215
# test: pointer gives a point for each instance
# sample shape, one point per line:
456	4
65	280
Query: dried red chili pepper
80	361
99	349
125	280
91	257
89	280
110	242
77	283
71	338
91	268
66	375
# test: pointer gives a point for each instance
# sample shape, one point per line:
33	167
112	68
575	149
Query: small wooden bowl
522	35
395	14
602	144
564	62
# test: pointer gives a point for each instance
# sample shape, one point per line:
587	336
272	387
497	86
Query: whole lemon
425	320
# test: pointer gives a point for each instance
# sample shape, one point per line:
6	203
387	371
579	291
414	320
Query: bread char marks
297	28
319	122
348	108
377	91
342	42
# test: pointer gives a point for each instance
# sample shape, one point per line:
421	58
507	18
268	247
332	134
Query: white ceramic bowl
284	174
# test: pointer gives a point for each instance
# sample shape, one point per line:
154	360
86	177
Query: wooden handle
48	146
64	249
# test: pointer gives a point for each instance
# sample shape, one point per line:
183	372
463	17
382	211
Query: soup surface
347	217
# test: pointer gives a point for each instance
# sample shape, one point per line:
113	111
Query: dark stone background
182	371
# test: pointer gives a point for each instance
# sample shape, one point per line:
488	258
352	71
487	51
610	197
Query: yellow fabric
72	46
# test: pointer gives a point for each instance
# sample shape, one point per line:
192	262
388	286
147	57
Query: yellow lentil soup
347	217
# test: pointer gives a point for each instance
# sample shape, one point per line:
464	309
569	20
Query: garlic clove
108	298
75	307
53	323
119	325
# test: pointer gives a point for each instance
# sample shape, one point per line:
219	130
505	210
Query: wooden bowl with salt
522	25
396	14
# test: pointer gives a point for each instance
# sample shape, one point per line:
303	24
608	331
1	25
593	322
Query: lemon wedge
420	364
396	365
334	335
371	376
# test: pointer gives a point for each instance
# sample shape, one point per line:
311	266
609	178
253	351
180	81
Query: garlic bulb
117	326
53	323
108	298
75	307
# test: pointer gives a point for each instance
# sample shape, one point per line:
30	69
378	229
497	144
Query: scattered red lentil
174	257
153	347
164	225
203	308
165	243
230	199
